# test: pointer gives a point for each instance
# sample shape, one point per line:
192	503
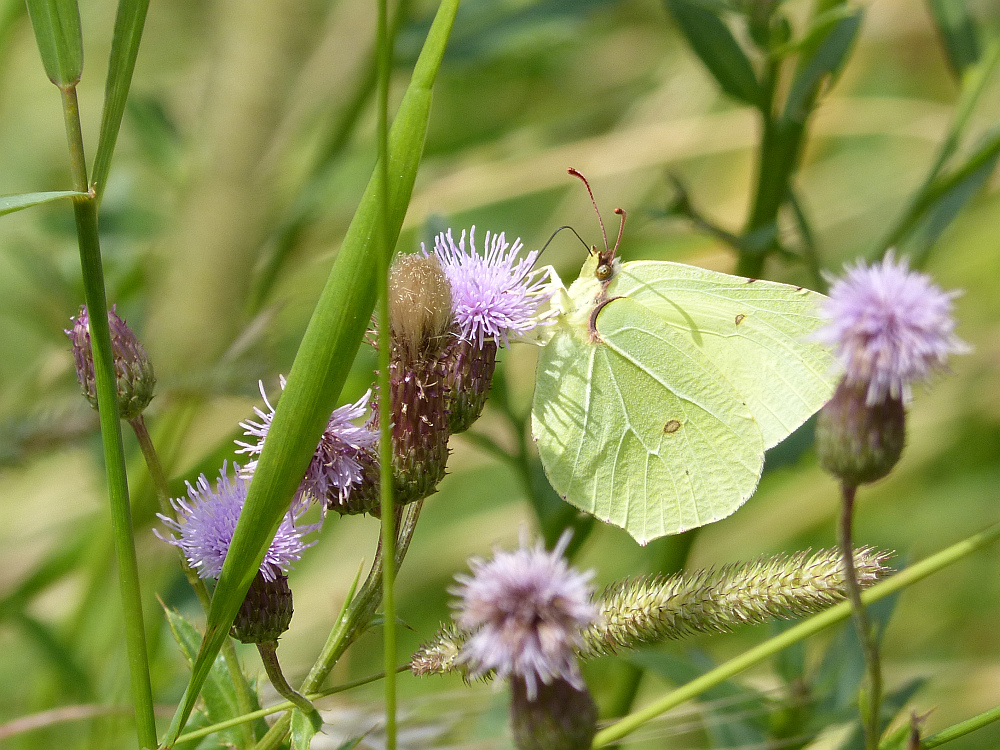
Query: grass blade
124	50
11	203
60	42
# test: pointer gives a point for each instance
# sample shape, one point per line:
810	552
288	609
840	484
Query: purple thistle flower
525	612
889	326
334	468
207	520
495	296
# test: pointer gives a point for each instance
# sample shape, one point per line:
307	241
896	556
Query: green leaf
304	728
945	208
892	703
60	41
11	203
958	32
218	692
351	743
324	358
714	43
827	59
939	201
124	50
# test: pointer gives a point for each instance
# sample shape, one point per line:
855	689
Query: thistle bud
419	320
266	610
419	307
560	716
859	442
133	370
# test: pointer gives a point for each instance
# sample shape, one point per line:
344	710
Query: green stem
961	729
384	57
803	630
353	621
770	184
926	199
244	696
312	195
670	555
809	252
870	702
85	212
269	656
278	707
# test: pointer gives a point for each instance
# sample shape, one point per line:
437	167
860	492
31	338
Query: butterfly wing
756	332
639	428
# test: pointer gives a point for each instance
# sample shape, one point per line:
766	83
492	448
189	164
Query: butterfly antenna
567	226
621	228
577	173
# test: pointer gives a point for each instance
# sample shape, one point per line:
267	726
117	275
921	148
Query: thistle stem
277	707
269	656
869	704
351	624
85	212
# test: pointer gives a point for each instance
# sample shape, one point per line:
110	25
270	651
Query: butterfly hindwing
638	427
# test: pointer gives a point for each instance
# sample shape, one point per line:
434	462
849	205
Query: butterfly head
605	258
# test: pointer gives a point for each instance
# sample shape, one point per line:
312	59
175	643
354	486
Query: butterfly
661	385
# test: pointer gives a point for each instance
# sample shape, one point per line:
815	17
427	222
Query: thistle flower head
134	379
207	520
889	326
525	611
335	467
496	296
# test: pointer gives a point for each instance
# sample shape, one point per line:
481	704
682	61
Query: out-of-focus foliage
245	146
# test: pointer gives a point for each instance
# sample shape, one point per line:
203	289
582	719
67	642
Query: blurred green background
248	139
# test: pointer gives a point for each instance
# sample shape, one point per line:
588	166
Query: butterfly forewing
638	427
755	332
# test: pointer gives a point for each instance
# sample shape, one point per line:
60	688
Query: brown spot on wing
671	427
740	318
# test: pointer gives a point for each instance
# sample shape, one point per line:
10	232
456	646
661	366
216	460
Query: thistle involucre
420	322
134	377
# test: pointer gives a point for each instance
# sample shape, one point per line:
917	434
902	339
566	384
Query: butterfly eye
604	272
